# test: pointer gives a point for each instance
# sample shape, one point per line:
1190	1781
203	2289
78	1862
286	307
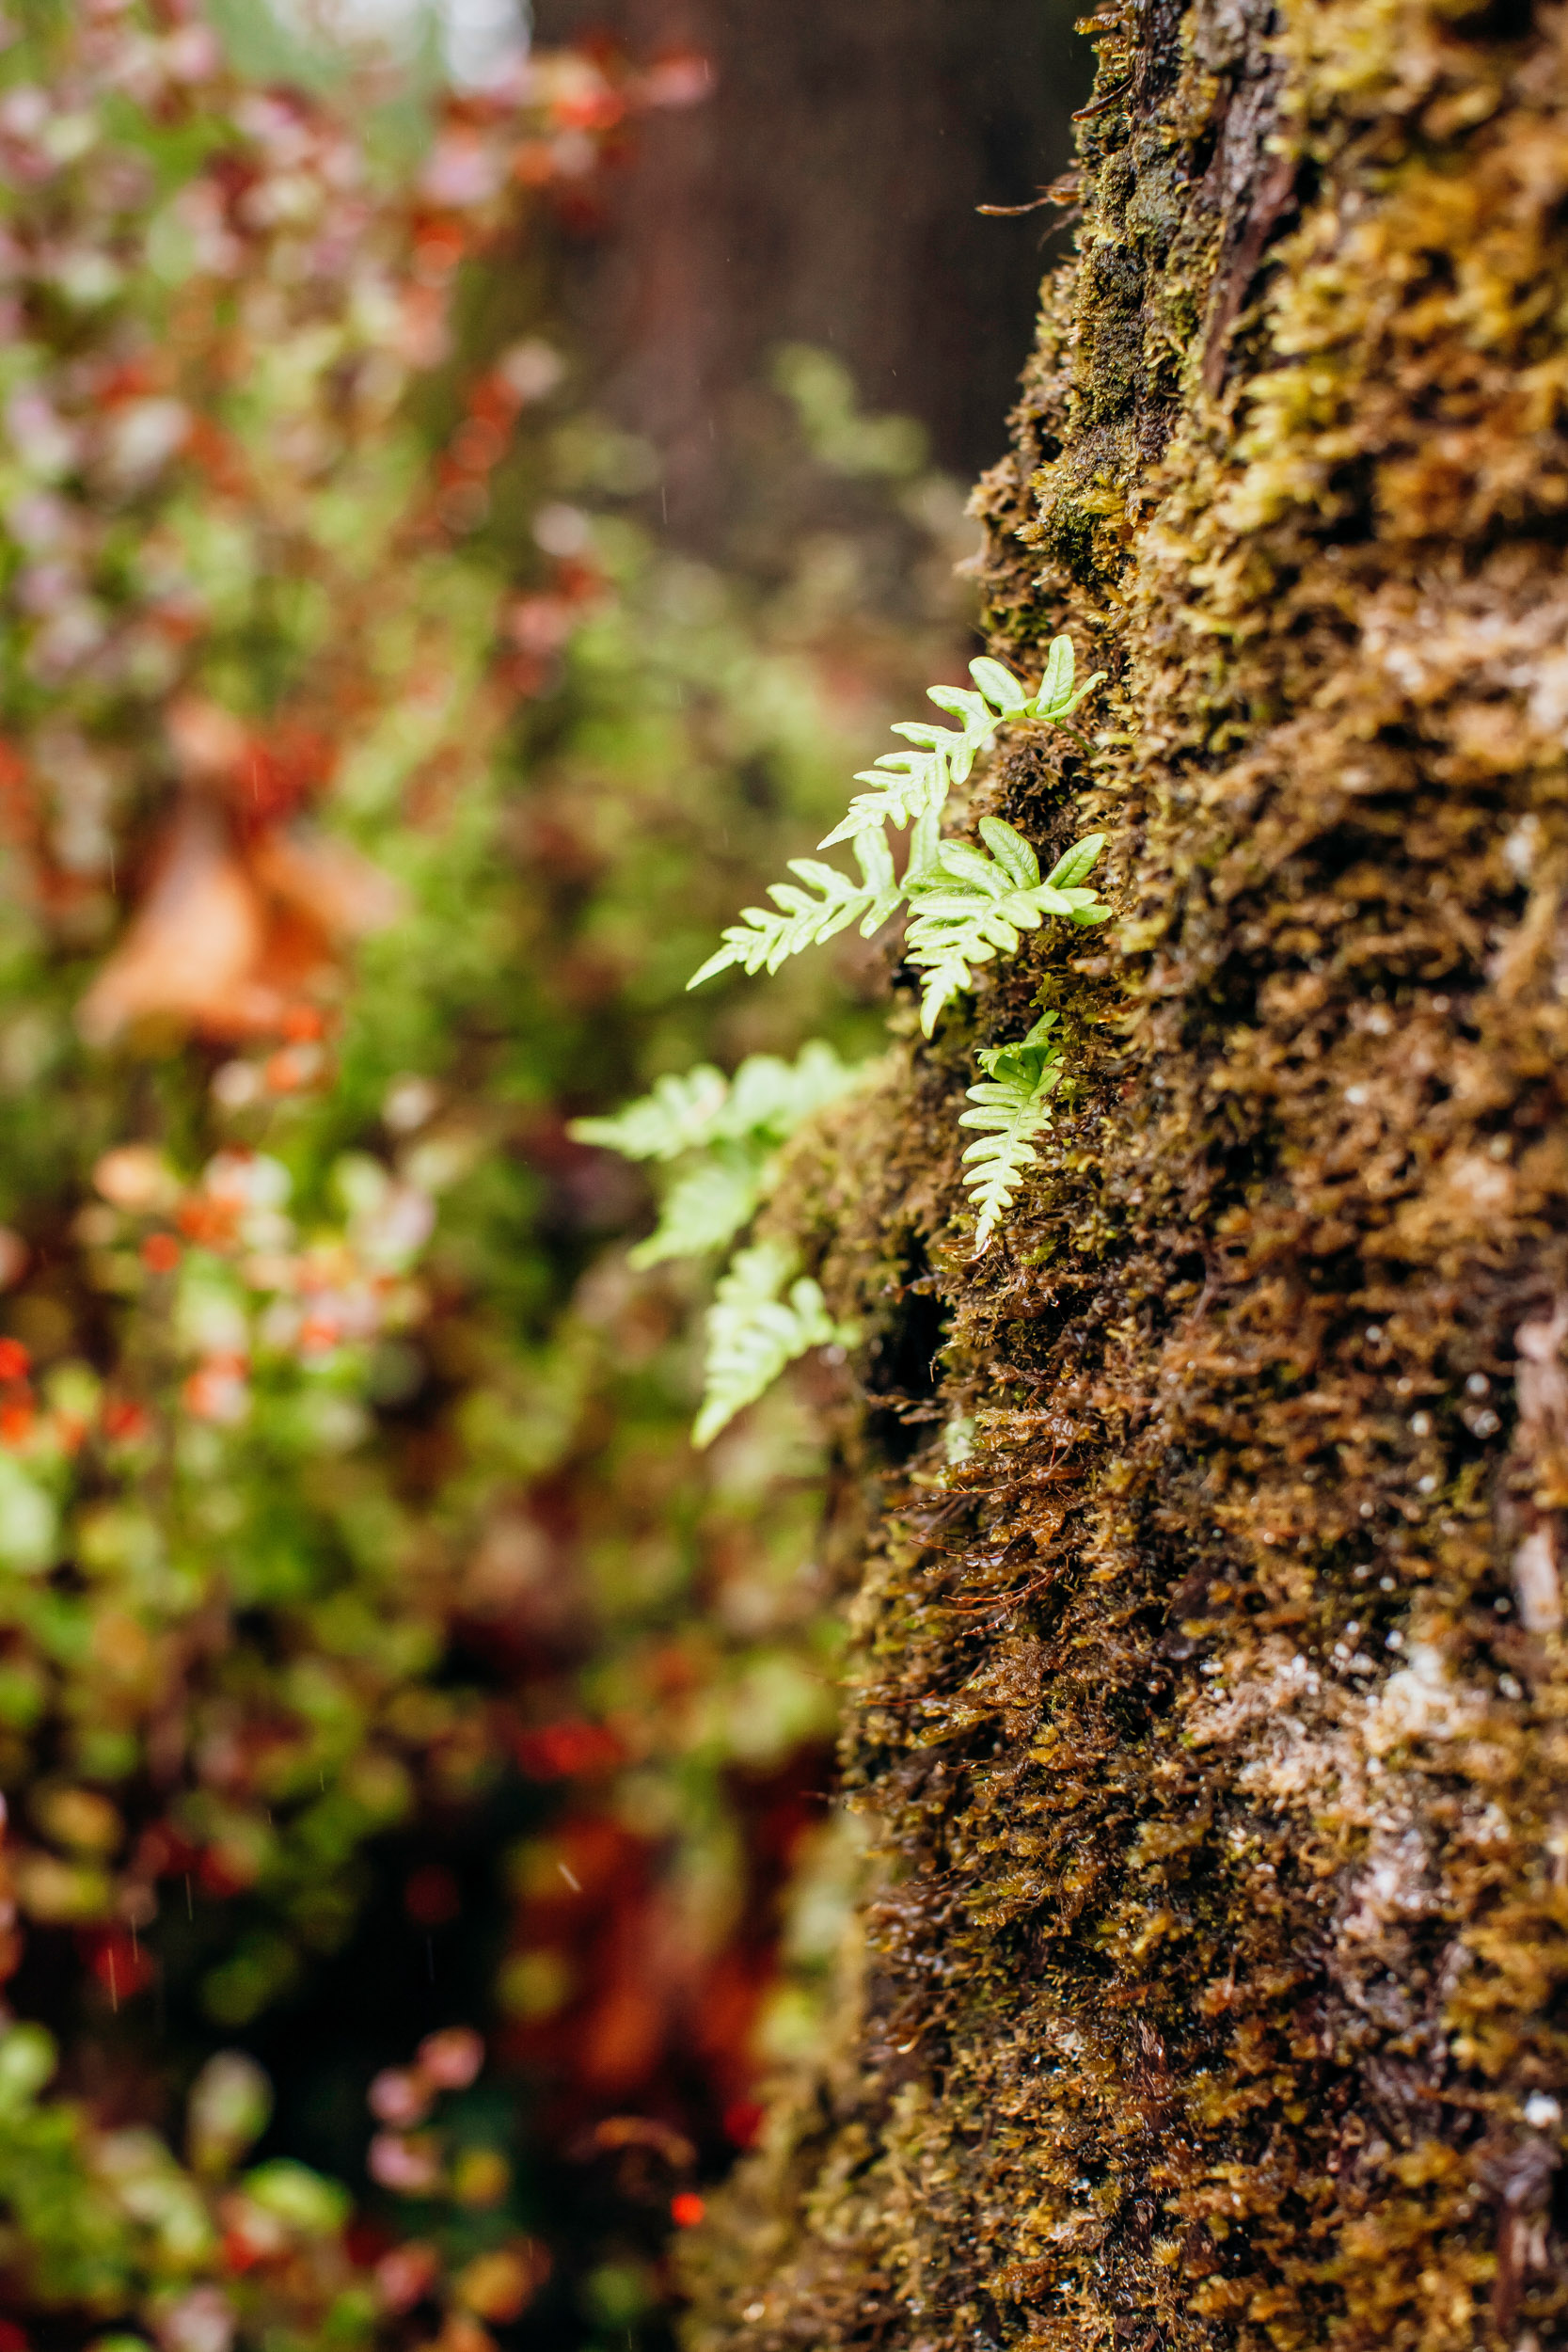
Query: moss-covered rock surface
1210	1696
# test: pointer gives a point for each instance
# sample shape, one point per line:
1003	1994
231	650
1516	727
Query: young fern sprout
1013	1107
965	906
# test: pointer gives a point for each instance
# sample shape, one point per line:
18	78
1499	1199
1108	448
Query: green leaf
965	704
1071	866
802	917
770	1098
1026	1054
29	2058
1087	688
1055	698
968	907
229	2107
300	2197
1055	686
875	860
753	1333
999	686
1013	1107
911	787
29	1522
971	867
728	1132
704	1208
677	1116
1011	851
907	785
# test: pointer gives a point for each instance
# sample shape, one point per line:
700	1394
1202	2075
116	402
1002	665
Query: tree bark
1210	1690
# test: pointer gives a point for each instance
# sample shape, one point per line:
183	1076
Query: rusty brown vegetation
1210	1696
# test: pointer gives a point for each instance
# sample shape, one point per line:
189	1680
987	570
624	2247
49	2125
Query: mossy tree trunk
1212	1712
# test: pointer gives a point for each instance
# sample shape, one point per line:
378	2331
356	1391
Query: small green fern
909	783
966	906
753	1333
799	918
912	787
1014	1101
767	1097
705	1206
728	1132
678	1116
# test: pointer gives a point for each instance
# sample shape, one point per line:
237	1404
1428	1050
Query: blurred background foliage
417	1760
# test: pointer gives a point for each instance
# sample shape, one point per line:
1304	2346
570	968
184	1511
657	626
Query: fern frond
704	1207
907	784
770	1098
753	1333
968	905
1014	1106
737	1125
677	1117
804	918
767	1097
908	788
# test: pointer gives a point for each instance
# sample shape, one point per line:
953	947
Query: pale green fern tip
1013	1108
954	893
725	1134
753	1332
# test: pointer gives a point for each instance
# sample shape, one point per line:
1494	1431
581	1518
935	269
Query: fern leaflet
753	1333
1057	695
768	1098
804	918
966	906
1014	1101
909	786
677	1117
704	1207
727	1131
909	783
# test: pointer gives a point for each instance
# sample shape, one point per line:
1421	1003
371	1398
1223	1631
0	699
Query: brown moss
1212	1711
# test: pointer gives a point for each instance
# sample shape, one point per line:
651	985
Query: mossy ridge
1215	1991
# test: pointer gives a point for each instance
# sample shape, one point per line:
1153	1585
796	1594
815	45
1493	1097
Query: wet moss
1210	1702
